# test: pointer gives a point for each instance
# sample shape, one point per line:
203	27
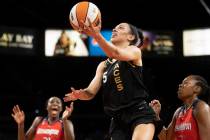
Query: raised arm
202	115
131	53
68	130
67	124
89	92
19	118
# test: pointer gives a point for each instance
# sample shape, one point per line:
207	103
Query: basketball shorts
123	124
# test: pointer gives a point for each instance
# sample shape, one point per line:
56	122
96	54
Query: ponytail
141	37
138	33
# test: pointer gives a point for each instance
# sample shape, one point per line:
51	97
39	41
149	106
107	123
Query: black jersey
122	85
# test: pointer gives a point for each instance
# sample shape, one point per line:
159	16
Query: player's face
121	33
186	88
54	107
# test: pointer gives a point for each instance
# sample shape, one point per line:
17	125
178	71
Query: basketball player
192	120
120	78
48	128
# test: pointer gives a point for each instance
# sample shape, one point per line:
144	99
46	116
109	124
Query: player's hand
67	112
18	115
90	30
73	95
156	106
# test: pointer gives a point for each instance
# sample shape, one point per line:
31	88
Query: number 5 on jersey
104	77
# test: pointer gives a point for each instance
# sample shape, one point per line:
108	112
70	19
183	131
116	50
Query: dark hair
46	103
205	89
139	38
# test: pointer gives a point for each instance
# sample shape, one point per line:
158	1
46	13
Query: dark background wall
30	80
147	14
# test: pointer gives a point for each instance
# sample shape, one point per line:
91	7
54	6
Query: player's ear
131	37
197	89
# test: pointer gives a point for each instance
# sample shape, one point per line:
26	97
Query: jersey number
104	77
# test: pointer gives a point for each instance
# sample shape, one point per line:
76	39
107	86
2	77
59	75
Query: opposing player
192	120
48	128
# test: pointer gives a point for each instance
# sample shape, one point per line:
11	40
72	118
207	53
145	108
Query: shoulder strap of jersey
178	111
195	102
38	120
108	62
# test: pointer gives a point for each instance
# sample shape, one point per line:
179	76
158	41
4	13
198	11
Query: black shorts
123	124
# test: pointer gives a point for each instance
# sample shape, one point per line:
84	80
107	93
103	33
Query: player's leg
144	132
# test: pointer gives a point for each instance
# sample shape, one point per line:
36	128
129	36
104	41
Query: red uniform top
186	127
46	131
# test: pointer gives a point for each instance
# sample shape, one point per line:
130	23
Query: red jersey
46	131
186	127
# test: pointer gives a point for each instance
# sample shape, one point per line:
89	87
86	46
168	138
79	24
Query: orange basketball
81	12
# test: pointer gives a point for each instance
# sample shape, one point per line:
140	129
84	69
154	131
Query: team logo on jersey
183	126
117	78
47	131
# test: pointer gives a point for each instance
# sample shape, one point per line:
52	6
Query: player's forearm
21	133
162	135
68	130
86	95
106	46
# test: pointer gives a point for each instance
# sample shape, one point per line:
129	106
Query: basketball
81	12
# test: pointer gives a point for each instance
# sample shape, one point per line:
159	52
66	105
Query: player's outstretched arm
89	92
